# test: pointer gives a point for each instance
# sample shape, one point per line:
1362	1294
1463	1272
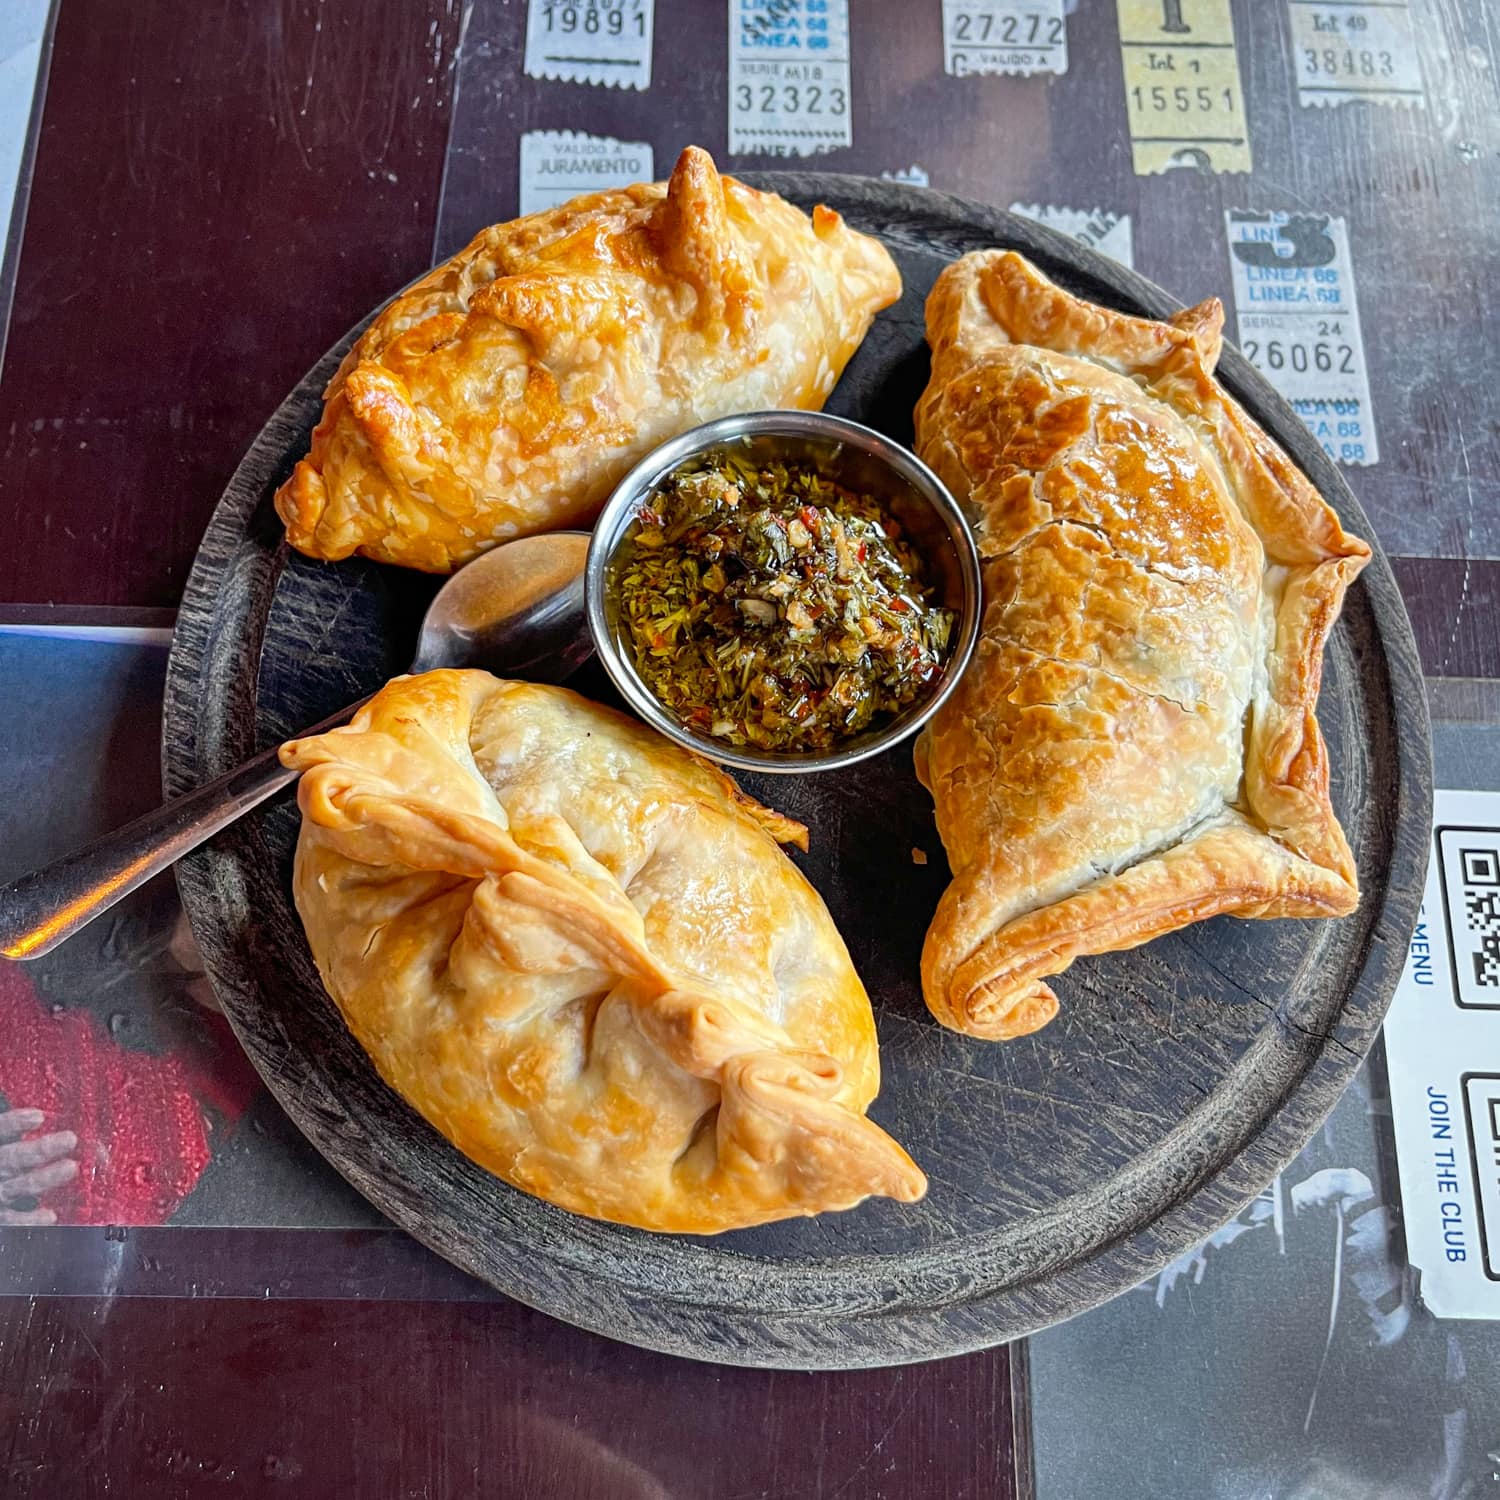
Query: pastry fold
509	390
1135	745
580	954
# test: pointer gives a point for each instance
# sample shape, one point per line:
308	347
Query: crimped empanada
578	951
1134	746
509	390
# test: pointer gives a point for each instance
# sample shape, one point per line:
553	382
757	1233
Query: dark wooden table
220	189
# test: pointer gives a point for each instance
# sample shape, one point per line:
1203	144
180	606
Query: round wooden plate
1064	1167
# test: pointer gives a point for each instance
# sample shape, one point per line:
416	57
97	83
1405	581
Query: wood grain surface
308	1401
1454	607
220	189
1064	1167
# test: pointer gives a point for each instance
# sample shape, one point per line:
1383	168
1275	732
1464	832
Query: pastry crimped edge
784	1112
1283	853
403	445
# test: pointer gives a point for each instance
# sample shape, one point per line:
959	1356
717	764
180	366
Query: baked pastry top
1134	746
512	387
579	953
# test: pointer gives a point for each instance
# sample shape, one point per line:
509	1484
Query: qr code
1481	875
1469	868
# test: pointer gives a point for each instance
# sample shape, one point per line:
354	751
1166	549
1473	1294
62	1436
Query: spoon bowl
516	611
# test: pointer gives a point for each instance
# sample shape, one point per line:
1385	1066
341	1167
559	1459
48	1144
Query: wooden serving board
1064	1167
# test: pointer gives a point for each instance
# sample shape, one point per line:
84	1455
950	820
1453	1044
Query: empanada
509	390
1134	746
579	953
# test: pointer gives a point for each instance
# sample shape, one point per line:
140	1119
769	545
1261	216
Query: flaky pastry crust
1135	746
579	953
510	389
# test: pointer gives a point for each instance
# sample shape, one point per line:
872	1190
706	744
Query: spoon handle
40	910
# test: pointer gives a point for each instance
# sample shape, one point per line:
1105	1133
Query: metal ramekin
864	461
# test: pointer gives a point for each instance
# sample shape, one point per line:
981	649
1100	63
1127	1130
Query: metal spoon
517	611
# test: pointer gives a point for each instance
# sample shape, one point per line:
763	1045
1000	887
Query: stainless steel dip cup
854	456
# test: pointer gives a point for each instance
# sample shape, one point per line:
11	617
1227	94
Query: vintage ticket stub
788	77
1299	323
1004	36
559	164
590	41
1099	228
1345	50
1442	1041
1182	86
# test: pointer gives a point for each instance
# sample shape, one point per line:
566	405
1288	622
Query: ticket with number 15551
1182	86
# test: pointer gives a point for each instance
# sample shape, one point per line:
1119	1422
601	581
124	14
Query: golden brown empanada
509	390
1134	746
578	951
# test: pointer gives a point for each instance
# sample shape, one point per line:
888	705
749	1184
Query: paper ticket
590	41
559	164
1004	36
1299	323
1343	51
788	77
1182	86
1098	228
1442	1041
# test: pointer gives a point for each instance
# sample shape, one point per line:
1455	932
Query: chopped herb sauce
774	608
